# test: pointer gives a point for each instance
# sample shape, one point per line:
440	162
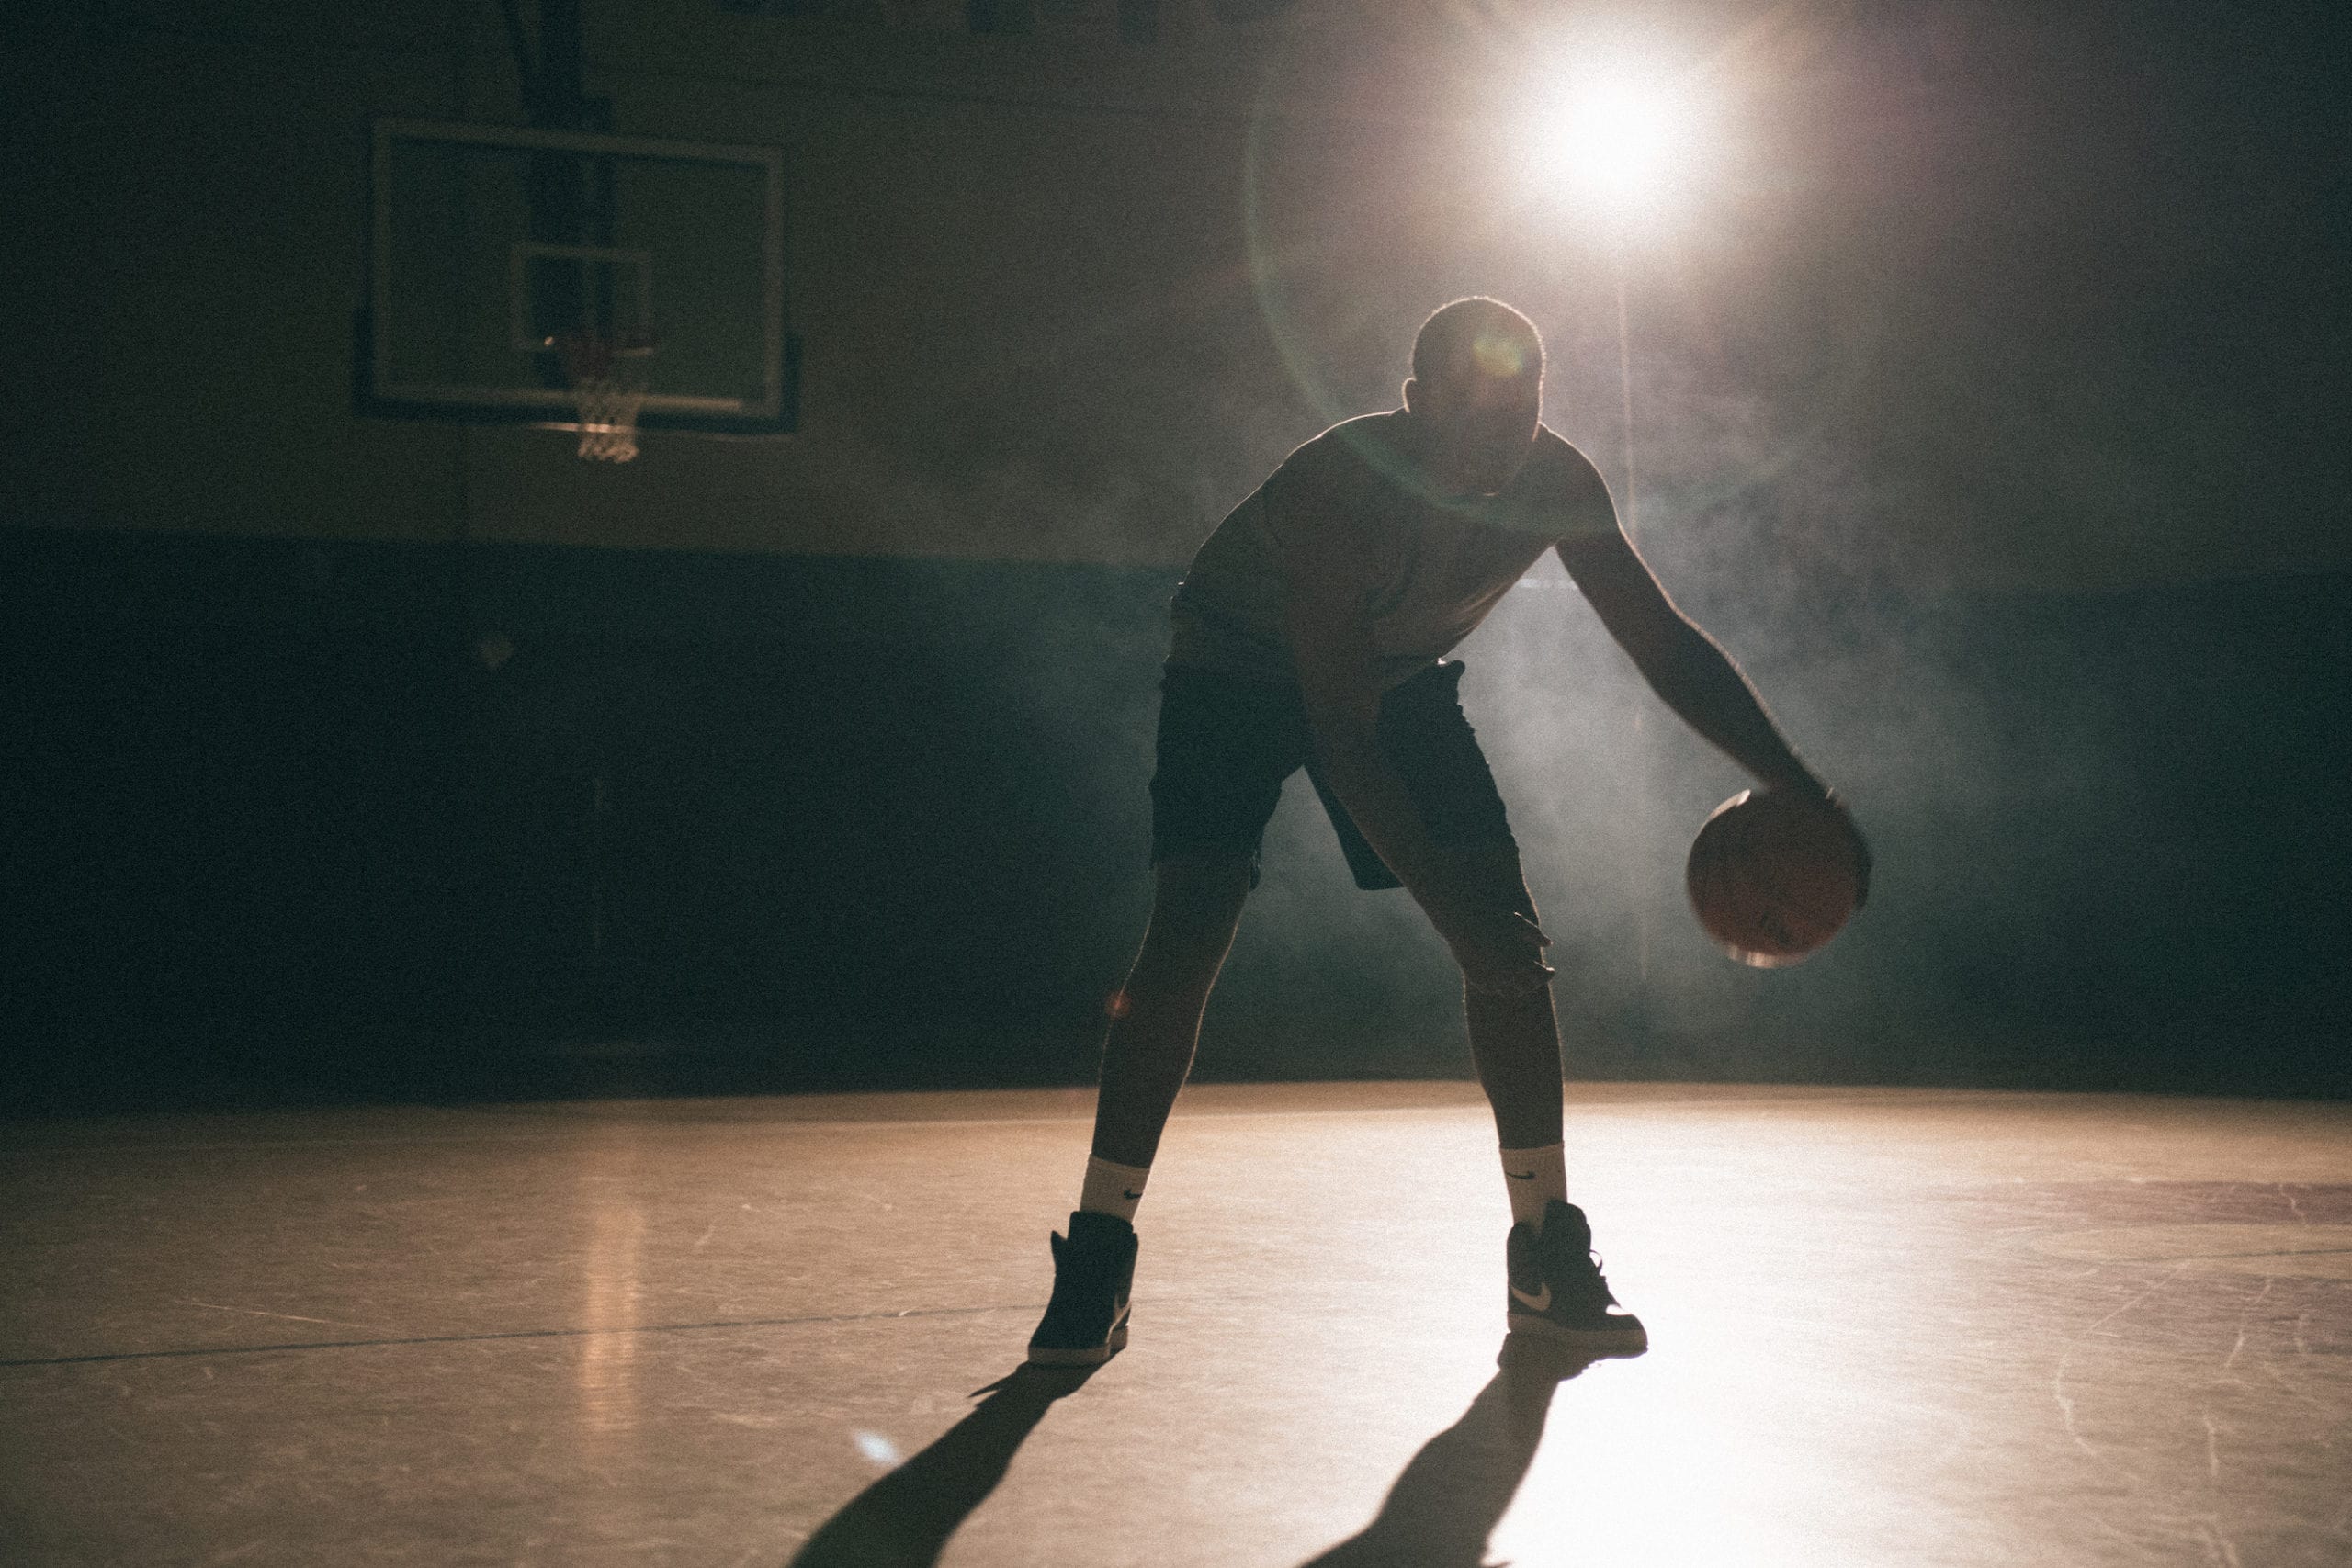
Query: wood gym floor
1889	1327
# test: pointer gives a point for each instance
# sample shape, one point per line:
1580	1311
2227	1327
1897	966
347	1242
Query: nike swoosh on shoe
1539	1302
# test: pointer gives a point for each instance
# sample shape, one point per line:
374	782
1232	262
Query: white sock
1534	1177
1113	1189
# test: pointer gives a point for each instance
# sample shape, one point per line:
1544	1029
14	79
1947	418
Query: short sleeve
1310	489
1320	507
1571	494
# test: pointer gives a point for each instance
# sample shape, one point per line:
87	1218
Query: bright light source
1620	137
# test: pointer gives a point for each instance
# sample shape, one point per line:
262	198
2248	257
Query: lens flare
1499	355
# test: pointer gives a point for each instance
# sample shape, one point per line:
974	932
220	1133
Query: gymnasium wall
1988	408
774	821
2018	302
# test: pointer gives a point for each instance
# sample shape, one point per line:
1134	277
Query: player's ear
1410	384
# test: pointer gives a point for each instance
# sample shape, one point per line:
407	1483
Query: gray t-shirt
1440	562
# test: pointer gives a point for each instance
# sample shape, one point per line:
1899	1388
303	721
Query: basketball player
1310	632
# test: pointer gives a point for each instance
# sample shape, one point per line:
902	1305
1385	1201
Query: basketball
1772	877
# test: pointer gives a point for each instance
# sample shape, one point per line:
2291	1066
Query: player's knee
1200	893
1495	877
1195	912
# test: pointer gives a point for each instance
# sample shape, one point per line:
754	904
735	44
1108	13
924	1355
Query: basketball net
607	377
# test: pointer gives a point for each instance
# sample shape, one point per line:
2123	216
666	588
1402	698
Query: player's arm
1682	664
1339	677
1339	681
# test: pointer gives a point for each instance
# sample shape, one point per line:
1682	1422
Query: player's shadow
1449	1500
904	1519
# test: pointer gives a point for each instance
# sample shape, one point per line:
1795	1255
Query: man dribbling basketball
1310	631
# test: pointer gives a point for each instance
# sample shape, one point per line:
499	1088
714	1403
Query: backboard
493	246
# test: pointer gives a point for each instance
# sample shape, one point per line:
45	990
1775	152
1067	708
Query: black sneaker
1558	1291
1095	1270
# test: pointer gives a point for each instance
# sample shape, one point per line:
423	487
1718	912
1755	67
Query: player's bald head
1477	391
1478	338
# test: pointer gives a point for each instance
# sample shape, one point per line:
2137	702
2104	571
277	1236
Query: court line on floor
518	1334
584	1124
588	1126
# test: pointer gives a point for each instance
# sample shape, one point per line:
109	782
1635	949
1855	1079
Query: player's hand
1814	790
1861	851
1500	950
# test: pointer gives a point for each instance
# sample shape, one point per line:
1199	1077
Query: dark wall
295	807
291	818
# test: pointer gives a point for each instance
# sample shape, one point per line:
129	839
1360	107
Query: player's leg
1514	1039
1155	1026
1224	749
1427	740
1156	1015
1557	1289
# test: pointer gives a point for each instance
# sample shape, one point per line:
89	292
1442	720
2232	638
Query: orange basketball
1773	877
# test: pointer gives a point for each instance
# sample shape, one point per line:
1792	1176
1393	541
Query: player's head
1478	384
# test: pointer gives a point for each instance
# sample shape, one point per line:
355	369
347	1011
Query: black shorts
1226	746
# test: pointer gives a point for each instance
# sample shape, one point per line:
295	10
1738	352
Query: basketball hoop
607	377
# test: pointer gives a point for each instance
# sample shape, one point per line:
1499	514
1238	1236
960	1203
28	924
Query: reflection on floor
1888	1327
